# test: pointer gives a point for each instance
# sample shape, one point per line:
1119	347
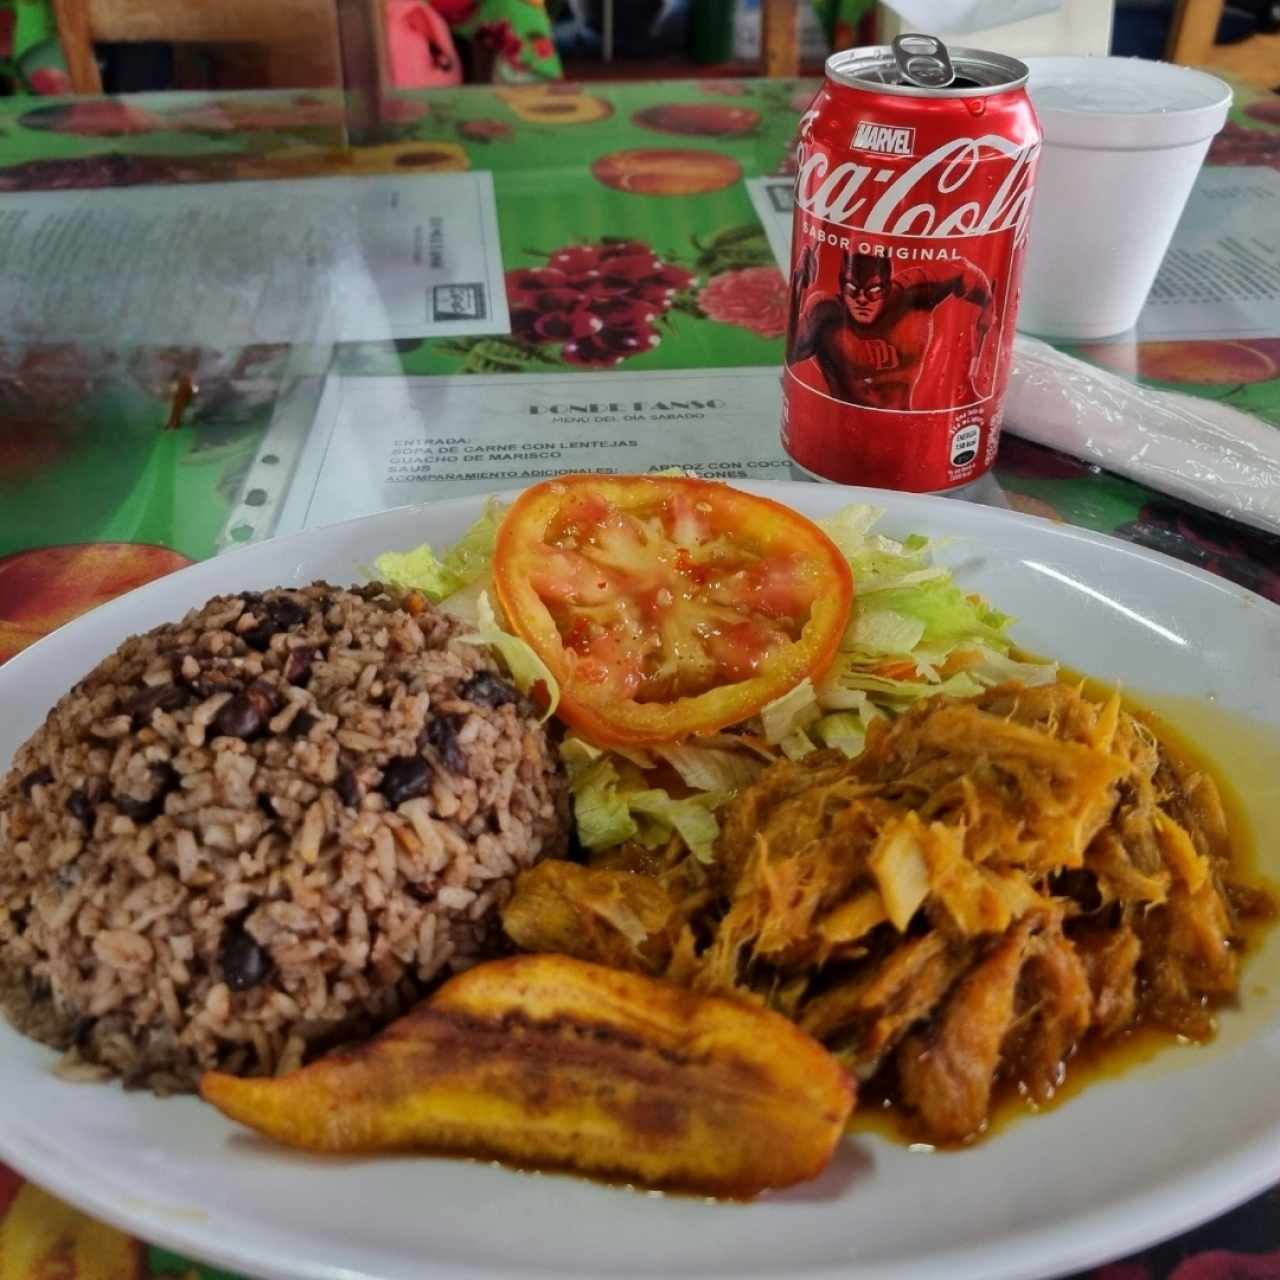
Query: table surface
97	497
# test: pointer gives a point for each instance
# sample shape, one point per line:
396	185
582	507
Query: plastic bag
1199	450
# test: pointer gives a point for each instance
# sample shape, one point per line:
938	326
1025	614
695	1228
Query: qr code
781	195
458	302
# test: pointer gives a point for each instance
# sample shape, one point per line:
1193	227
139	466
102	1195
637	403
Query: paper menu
772	199
316	260
388	442
1221	275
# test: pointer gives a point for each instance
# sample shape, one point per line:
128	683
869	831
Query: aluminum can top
920	66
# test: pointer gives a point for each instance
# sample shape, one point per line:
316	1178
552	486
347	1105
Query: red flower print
542	46
455	11
1223	1264
1238	145
7	22
50	80
499	37
1122	1271
754	298
485	130
9	1184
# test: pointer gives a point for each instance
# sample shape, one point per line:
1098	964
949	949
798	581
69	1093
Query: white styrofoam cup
1123	142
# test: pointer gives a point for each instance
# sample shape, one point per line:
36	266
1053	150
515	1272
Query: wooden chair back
1192	42
300	36
779	44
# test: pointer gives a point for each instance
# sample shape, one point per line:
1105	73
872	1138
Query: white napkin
1200	450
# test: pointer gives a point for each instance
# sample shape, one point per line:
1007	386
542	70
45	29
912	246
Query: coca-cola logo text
921	201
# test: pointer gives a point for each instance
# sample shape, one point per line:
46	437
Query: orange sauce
1242	755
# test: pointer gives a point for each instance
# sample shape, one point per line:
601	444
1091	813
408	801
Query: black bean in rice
262	830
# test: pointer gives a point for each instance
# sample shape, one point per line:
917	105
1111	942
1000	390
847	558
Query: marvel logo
884	139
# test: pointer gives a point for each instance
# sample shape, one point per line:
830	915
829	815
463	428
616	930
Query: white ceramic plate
1128	1161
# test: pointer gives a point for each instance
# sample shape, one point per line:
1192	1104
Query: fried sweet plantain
551	1062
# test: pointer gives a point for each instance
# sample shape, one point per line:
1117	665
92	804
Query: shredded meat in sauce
992	881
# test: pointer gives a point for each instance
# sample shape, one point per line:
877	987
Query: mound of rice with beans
263	830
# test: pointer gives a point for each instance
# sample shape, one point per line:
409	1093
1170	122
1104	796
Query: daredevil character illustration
871	341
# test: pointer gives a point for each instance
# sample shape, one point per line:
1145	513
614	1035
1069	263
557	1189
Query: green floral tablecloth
95	497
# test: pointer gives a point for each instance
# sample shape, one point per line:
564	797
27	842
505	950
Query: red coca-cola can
916	167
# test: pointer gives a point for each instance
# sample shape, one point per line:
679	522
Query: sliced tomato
667	606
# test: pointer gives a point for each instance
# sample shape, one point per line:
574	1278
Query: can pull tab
923	60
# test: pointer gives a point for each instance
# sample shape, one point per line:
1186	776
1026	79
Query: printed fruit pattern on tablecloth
1033	506
1247	556
42	588
9	1184
666	171
27	447
301	114
1211	1264
305	111
555	104
390	157
1200	362
754	298
600	303
485	131
43	1239
1019	457
92	118
1238	145
112	169
1265	109
699	119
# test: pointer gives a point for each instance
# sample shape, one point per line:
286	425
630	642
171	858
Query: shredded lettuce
944	612
903	598
878	561
710	768
527	670
849	527
914	632
993	667
790	713
846	676
796	745
600	809
607	812
692	818
847	730
876	629
577	755
467	561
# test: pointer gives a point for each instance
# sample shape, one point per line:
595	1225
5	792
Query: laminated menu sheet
389	442
1221	275
772	200
316	260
